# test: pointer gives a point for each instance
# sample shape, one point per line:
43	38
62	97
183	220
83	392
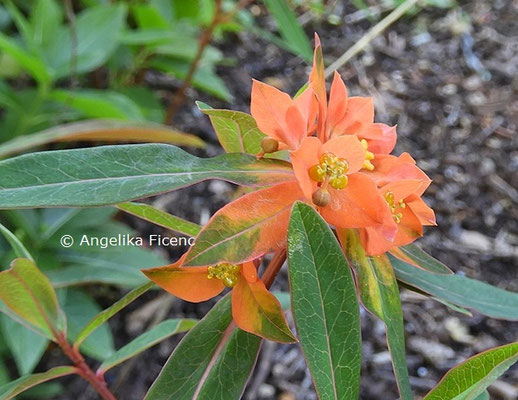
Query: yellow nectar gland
330	168
389	197
227	273
368	156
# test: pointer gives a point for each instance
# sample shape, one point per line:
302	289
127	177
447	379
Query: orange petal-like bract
277	115
188	283
258	311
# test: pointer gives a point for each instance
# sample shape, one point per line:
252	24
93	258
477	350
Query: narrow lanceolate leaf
380	295
25	345
290	28
413	255
17	246
459	290
247	228
237	131
29	295
105	315
212	362
101	130
148	339
324	305
114	174
161	218
470	379
258	311
20	385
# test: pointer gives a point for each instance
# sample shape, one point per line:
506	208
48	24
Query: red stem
205	38
97	381
273	267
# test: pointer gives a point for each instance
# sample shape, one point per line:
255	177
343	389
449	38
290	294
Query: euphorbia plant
342	210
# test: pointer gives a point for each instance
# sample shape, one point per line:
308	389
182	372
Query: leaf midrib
333	378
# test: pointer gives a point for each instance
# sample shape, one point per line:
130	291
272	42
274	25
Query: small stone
471	83
266	391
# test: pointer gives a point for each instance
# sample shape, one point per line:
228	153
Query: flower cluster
342	162
342	166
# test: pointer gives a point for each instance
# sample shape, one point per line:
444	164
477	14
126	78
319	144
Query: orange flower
328	176
254	308
345	115
409	212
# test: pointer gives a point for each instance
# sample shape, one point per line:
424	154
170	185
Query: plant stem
97	381
205	38
273	267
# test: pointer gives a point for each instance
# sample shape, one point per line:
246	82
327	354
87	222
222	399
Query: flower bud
321	197
269	145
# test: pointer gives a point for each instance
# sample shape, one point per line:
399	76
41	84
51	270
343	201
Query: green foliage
213	361
459	290
324	305
98	320
28	295
14	388
470	379
379	293
160	218
80	309
112	174
153	336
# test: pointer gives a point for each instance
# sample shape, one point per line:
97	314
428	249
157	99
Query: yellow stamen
368	156
332	169
389	197
227	273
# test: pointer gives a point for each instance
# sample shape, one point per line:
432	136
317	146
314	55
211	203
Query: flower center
368	156
330	169
391	201
227	273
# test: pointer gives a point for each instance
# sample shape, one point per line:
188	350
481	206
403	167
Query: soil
448	79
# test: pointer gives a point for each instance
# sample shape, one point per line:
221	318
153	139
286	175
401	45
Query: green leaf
324	305
235	235
20	385
99	103
483	396
26	346
470	379
148	339
105	315
98	30
80	309
237	132
33	65
29	294
204	79
290	28
113	174
161	218
149	17
213	361
423	259
45	19
489	300
16	244
101	130
109	266
379	294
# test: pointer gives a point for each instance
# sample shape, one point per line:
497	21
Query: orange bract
252	303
